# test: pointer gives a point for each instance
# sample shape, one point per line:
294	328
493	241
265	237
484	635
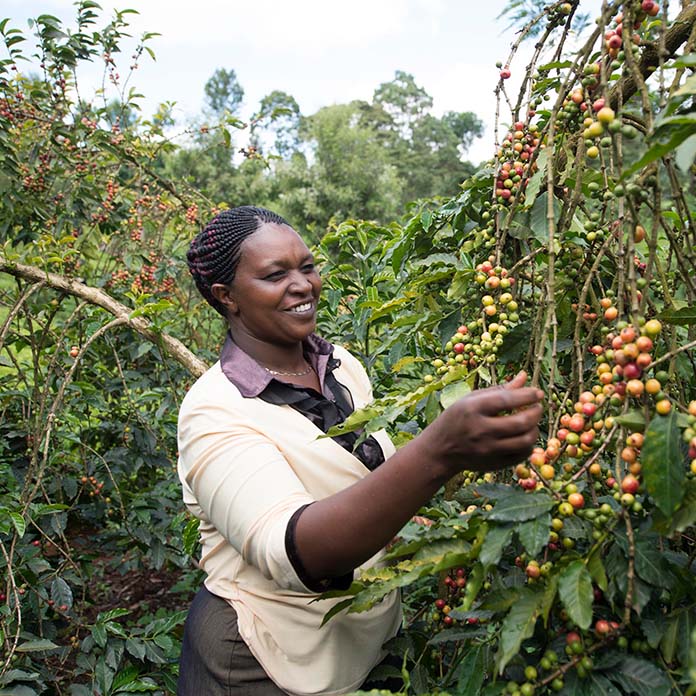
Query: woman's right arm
339	533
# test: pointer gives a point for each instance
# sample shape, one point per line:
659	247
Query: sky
321	52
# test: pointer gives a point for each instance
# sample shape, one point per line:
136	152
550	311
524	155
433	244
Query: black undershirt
324	412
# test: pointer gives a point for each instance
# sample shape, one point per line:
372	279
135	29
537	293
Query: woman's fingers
494	400
516	423
517	381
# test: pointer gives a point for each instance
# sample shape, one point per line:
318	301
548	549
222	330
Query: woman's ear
224	295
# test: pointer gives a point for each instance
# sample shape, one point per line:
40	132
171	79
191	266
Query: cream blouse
246	466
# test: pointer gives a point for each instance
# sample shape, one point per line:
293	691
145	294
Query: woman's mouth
301	309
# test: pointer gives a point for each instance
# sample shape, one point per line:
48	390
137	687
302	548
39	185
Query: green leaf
692	657
597	571
639	676
634	420
453	392
444	554
99	634
367	598
497	538
685	629
650	563
686	316
685	154
663	465
61	594
104	675
19	524
190	536
138	686
457	635
112	614
668	643
336	609
166	624
575	591
659	149
684	517
518	626
19	690
554	65
539	177
136	648
534	534
470	672
37	646
125	677
516	343
599	685
115	629
519	507
538	216
549	596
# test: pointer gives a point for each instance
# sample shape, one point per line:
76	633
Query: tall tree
277	121
348	175
428	152
223	92
403	101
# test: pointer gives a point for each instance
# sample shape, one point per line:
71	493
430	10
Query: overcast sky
320	52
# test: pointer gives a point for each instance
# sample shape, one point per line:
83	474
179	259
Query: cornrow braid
214	253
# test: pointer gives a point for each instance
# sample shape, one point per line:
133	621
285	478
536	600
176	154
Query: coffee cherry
532	570
602	627
566	509
652	328
663	406
630	484
576	500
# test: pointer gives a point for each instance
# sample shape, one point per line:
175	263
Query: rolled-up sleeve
243	486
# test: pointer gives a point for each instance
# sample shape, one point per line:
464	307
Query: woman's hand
487	429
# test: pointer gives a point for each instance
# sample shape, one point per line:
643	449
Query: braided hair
214	253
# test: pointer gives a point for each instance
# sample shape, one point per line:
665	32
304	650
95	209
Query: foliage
355	160
89	505
571	256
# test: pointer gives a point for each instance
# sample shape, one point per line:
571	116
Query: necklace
289	374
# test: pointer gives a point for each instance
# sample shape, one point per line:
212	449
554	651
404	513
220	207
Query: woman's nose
299	282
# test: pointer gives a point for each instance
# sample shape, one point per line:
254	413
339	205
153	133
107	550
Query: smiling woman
286	514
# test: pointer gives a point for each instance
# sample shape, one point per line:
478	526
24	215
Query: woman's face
273	297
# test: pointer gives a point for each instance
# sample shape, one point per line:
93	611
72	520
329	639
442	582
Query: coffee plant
95	566
569	254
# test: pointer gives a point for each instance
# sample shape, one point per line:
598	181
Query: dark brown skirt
215	661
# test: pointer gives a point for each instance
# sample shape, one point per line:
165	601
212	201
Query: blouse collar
251	378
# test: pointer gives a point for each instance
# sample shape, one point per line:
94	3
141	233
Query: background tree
223	93
426	151
277	121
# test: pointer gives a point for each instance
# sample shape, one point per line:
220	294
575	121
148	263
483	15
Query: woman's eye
276	275
308	267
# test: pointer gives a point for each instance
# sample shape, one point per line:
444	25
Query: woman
286	514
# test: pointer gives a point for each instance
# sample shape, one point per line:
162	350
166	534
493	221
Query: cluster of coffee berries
514	156
456	587
478	341
95	487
